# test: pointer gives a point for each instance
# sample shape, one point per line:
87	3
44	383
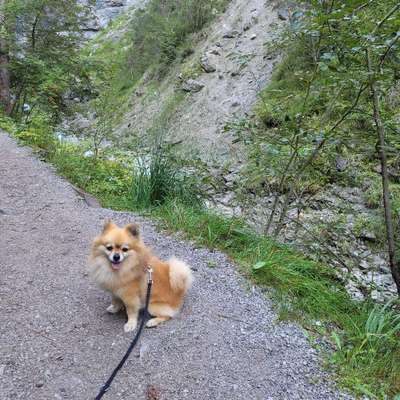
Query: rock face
104	11
232	46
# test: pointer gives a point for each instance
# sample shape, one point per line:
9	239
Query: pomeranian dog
118	263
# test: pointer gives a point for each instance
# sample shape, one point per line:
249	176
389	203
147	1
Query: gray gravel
58	342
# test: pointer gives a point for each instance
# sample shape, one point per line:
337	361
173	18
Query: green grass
108	180
366	336
157	179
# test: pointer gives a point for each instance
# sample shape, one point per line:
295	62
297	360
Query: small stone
341	164
254	20
39	384
191	85
367	236
252	37
215	52
384	269
206	64
364	265
246	26
235	103
230	34
152	393
283	14
115	3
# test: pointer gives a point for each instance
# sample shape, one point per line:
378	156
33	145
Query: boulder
207	64
192	85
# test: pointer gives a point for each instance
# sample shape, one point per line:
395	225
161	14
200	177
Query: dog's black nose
116	257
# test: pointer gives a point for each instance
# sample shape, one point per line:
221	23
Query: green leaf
259	265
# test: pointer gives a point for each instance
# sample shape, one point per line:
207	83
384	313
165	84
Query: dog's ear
133	229
108	225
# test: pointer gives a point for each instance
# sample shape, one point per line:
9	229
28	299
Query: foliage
159	32
105	178
316	85
44	38
374	348
7	123
38	134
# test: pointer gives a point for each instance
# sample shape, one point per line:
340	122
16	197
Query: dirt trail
58	342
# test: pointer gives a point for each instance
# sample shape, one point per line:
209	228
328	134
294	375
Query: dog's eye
125	249
109	248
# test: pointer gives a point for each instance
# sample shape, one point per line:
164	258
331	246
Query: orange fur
118	263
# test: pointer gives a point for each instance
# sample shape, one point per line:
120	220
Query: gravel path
58	342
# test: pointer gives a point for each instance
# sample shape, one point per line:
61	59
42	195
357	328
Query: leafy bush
108	180
7	123
321	72
38	133
44	38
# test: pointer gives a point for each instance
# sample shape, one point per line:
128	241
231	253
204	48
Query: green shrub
38	133
7	123
108	180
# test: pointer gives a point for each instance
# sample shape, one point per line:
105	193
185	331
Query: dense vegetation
42	39
334	98
317	106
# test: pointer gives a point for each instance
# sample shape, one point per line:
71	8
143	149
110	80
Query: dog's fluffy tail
180	275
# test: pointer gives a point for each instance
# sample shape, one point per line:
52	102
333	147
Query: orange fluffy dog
118	263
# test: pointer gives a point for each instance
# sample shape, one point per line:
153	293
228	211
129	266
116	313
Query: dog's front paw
130	325
152	323
113	309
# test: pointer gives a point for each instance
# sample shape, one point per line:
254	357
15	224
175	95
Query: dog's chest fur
110	280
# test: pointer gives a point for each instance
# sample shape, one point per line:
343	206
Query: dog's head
119	244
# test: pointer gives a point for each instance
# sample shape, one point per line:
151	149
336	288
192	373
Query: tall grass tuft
157	178
368	351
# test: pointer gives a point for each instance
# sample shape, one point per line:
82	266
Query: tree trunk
380	130
5	98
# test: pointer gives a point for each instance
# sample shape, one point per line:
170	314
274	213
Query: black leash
144	318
